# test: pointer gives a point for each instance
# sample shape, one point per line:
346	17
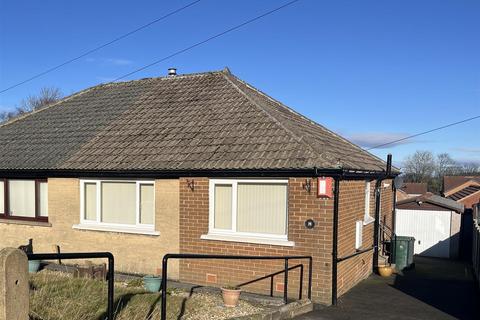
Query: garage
433	221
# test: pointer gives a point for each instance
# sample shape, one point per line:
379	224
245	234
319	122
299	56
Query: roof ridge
307	119
295	136
167	77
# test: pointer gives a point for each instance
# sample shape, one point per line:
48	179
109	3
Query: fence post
14	292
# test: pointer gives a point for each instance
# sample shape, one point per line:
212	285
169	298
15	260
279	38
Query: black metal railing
272	275
387	239
233	257
85	255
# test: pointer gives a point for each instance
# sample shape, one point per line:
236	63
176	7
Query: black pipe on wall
335	241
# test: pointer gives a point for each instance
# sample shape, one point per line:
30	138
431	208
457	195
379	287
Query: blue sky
372	71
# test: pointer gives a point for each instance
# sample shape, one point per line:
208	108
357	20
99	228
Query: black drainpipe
335	240
376	229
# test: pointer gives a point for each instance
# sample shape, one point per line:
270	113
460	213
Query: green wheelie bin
403	252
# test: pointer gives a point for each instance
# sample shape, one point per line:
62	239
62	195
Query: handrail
231	257
356	253
271	275
85	255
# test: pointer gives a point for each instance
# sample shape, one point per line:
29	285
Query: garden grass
57	295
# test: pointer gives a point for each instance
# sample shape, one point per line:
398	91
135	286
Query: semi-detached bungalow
196	163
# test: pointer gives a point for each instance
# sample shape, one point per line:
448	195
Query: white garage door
431	230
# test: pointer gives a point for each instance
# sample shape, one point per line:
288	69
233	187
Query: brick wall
352	209
316	242
194	206
133	253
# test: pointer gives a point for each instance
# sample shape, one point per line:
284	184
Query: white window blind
262	208
118	202
146	203
22	198
223	206
2	197
90	201
43	199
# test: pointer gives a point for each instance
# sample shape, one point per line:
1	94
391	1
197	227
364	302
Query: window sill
130	230
367	220
247	239
26	222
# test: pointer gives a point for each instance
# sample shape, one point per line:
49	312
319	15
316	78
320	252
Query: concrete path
434	289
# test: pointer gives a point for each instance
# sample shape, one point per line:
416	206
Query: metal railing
233	257
272	275
85	255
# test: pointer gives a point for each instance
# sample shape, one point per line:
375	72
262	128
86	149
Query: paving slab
434	289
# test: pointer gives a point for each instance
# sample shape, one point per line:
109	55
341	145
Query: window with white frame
249	208
367	218
117	205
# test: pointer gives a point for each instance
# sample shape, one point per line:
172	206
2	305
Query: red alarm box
324	187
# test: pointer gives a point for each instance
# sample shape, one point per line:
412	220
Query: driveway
434	289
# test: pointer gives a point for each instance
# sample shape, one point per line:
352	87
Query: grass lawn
57	295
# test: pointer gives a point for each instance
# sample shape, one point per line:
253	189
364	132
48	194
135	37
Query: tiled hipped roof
207	121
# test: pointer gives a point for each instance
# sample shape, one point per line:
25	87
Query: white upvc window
117	205
367	218
248	210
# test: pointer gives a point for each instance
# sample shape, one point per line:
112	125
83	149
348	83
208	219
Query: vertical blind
223	206
118	202
146	203
2	197
43	199
21	197
262	208
90	201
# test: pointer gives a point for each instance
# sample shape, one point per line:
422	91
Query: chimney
172	72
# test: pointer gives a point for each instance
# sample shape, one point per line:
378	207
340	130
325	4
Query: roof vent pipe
172	72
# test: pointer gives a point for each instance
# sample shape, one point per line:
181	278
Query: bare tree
470	168
420	166
46	96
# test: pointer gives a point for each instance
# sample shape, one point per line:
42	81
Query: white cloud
110	61
373	139
118	62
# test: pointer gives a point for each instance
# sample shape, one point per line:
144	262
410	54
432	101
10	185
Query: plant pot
152	283
33	265
385	271
230	297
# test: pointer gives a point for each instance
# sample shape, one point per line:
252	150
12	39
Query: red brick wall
316	242
352	209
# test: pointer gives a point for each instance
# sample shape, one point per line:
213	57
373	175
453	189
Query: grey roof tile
202	121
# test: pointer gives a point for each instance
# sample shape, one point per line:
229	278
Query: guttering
129	173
